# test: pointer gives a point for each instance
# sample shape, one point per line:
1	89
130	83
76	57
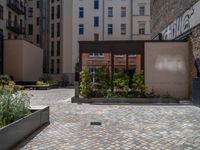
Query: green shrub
18	88
4	80
85	85
51	82
41	83
46	83
138	86
121	83
13	107
102	81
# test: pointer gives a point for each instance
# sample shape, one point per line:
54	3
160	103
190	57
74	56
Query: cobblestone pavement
124	127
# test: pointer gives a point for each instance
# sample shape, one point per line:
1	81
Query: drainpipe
131	19
103	18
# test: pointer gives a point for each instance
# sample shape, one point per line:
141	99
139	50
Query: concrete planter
196	92
16	132
124	100
37	87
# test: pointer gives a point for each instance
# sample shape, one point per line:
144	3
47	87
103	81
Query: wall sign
183	23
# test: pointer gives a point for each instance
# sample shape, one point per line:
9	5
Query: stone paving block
124	127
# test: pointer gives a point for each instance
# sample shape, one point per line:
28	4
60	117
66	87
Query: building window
58	48
81	12
52	48
52	13
52	66
96	4
142	11
38	39
96	55
141	28
123	29
1	32
110	12
96	37
9	36
58	29
81	29
38	21
1	12
30	29
58	66
96	21
52	30
38	4
58	11
30	12
123	11
110	29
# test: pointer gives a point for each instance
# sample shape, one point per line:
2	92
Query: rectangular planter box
37	87
16	132
124	100
196	92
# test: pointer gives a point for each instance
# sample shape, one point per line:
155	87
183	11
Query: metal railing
16	6
15	27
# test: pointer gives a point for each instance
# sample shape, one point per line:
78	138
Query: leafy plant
4	80
102	81
85	85
13	107
121	83
138	86
41	83
46	82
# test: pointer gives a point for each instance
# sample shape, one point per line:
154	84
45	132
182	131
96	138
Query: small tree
138	86
102	81
85	88
121	82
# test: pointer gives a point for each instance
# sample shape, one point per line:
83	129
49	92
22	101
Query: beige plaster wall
23	60
13	59
167	68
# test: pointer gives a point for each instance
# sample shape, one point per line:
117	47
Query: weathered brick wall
165	11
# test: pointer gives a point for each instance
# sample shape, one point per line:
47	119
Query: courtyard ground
124	127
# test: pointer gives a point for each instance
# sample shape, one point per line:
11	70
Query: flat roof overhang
116	47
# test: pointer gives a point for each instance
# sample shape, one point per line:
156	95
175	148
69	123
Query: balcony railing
15	27
16	6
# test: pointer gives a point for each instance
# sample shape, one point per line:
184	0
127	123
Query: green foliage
46	80
85	85
121	83
13	107
13	104
138	86
102	81
42	83
4	80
